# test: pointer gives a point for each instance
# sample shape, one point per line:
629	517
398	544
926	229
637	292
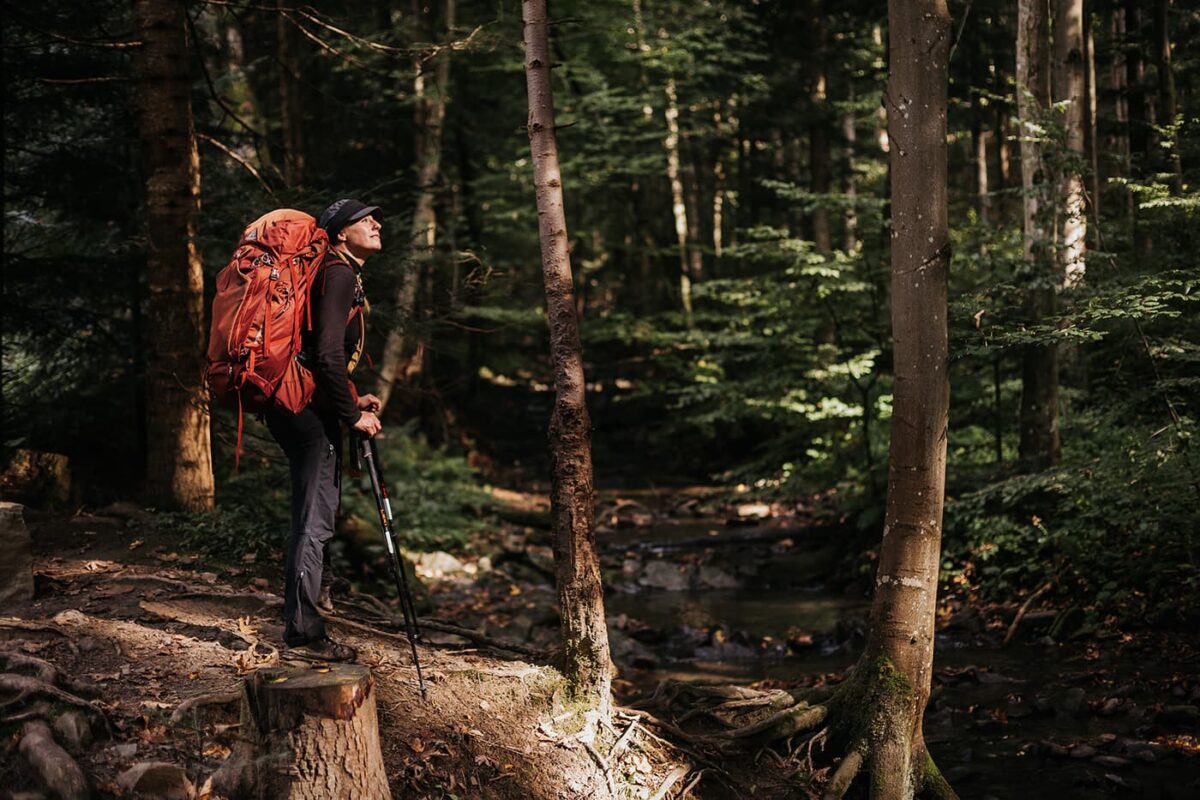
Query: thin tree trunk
678	206
850	177
1092	142
586	657
179	458
820	173
1039	446
290	114
1120	89
1166	87
905	602
1070	91
429	115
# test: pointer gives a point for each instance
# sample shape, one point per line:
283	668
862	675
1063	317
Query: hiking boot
320	650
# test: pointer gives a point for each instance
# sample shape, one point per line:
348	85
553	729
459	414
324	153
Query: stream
701	601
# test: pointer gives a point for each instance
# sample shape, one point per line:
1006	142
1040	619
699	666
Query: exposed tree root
216	699
38	710
672	778
782	724
56	769
23	687
11	661
442	627
935	784
844	775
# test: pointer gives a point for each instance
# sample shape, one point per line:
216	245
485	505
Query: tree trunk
587	663
1092	142
291	118
678	206
820	173
850	177
1070	91
314	734
1039	445
1120	143
179	458
429	115
902	612
1166	88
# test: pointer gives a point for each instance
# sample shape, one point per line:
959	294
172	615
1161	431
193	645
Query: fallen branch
1012	629
445	627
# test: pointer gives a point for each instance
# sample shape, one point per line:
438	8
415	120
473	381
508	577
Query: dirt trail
149	633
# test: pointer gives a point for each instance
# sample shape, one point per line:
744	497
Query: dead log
57	771
315	734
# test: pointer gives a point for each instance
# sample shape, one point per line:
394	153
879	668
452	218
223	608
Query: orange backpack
259	312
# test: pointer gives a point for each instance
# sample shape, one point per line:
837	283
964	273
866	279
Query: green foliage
435	496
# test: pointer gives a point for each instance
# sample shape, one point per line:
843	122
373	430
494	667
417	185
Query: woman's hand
368	423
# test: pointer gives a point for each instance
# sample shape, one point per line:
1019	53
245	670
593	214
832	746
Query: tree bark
1092	142
820	174
291	118
429	115
1070	91
1039	442
902	612
315	735
1166	87
850	177
179	458
678	206
586	659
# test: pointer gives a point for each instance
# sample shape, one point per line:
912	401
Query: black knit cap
343	212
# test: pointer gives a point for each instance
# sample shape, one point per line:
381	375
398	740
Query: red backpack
261	307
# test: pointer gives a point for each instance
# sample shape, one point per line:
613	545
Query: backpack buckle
274	274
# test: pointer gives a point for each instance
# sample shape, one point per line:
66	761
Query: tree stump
315	734
16	568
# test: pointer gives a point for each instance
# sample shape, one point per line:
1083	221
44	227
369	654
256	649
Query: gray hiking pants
312	443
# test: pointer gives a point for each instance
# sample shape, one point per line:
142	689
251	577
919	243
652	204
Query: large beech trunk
179	457
429	116
1070	90
577	569
1039	442
313	735
899	651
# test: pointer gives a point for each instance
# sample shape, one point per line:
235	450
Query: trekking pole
369	455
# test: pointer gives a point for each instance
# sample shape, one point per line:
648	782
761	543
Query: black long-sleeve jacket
334	345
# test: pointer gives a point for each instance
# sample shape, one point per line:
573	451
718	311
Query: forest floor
120	608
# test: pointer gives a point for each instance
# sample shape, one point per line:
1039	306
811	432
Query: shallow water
978	729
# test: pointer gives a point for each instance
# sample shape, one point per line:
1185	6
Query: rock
72	616
709	577
1112	762
1179	715
665	575
753	511
73	730
16	568
1110	707
960	774
484	564
1069	701
37	479
123	751
157	780
1082	751
438	564
1055	750
1066	623
130	512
